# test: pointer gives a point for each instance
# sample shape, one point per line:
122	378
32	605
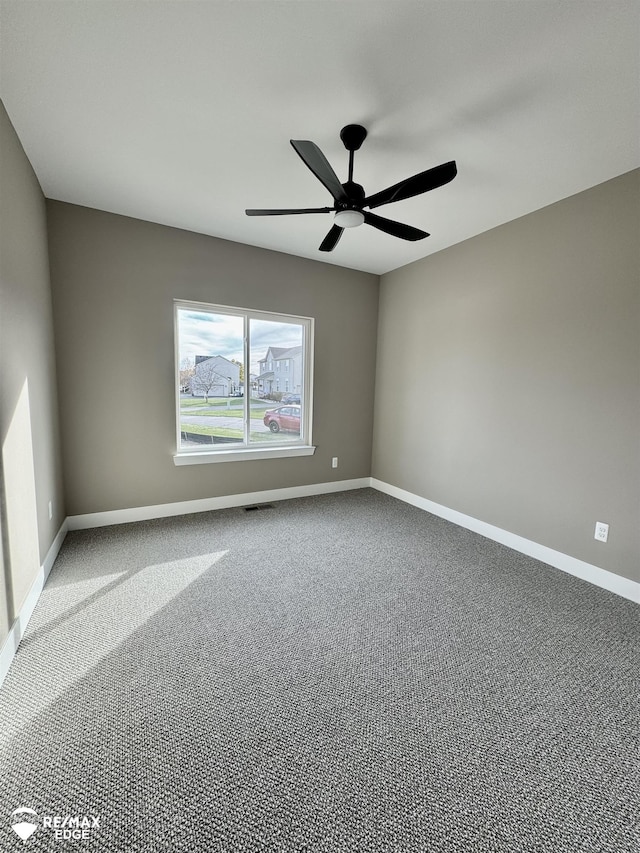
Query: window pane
276	350
211	379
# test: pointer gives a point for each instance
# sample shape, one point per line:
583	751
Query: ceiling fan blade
422	183
396	229
331	240
315	160
286	212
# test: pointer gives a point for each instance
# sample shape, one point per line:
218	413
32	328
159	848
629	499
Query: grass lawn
224	413
218	407
225	432
221	431
187	402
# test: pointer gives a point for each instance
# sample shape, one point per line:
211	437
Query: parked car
291	398
284	417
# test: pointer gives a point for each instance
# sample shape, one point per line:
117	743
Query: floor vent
257	507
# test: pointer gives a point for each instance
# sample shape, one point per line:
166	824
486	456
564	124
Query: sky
205	333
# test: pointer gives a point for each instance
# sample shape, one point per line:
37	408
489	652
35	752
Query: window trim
246	451
244	454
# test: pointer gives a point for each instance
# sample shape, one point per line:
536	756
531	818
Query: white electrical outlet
602	531
334	462
50	510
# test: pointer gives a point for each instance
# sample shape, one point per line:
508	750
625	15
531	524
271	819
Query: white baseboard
593	574
143	513
18	628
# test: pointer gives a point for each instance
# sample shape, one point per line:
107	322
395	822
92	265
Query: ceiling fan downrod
352	136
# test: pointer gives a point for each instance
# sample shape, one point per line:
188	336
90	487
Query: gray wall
30	467
508	376
507	388
114	280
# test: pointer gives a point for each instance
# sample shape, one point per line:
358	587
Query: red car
284	417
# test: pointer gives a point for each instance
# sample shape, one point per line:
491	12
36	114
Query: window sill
241	455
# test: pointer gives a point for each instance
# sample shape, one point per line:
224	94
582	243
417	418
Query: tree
187	370
241	366
205	378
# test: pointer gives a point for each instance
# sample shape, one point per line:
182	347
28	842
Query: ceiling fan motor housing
356	195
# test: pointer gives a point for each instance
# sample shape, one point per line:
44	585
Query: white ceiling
181	112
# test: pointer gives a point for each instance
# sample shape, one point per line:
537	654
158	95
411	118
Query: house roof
201	358
282	352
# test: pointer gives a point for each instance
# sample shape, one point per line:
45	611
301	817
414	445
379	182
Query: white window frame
245	451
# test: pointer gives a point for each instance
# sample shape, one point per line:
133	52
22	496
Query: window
228	397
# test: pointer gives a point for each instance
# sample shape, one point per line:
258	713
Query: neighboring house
215	376
280	370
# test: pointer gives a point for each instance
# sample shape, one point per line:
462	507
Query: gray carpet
334	675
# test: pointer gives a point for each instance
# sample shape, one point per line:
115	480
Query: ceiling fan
350	198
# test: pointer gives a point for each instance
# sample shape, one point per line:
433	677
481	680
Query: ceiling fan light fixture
349	218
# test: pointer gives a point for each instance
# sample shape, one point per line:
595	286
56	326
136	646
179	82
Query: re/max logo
71	822
25	822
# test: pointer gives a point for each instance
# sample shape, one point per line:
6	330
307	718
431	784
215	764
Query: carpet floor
339	674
